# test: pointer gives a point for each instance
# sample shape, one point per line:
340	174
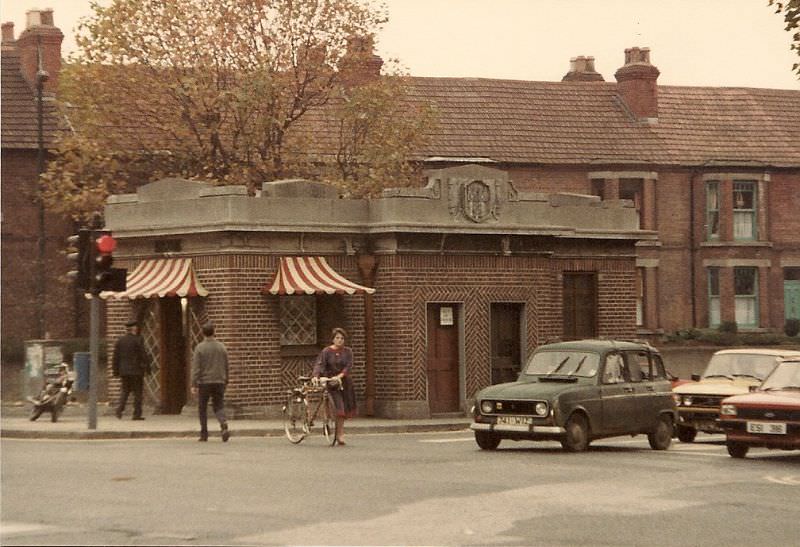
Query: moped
58	381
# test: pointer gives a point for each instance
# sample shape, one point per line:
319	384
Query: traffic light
80	254
104	277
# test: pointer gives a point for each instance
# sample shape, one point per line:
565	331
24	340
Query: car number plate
514	420
771	428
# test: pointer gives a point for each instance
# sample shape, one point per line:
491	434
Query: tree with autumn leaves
231	91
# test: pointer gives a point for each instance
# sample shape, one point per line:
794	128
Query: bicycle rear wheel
329	420
294	418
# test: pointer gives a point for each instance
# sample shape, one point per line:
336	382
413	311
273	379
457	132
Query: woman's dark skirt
344	399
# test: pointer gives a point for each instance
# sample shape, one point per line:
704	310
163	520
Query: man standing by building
130	363
209	378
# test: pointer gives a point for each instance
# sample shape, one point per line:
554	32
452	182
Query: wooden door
442	357
506	337
580	306
174	371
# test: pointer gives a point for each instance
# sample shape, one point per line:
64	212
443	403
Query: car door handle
627	389
650	388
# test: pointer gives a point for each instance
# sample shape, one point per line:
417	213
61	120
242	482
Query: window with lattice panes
298	320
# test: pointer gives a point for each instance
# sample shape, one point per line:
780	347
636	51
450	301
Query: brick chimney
39	48
581	69
636	82
360	65
8	35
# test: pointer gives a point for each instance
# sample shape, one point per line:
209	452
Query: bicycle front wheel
329	420
295	416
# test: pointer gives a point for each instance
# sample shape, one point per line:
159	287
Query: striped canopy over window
159	278
311	275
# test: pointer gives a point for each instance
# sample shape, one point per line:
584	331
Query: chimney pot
47	17
33	18
581	69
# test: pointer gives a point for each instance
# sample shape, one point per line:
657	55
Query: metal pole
94	352
41	76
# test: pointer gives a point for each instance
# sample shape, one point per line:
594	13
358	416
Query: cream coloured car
729	372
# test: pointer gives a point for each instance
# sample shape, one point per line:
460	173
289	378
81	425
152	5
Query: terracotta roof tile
18	112
580	122
568	123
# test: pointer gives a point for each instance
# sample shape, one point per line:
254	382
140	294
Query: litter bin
80	363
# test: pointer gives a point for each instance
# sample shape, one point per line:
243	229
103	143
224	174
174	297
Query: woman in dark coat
335	361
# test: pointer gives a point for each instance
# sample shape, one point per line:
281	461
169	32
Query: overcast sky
699	43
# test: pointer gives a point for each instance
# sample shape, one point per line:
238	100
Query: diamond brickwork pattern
477	344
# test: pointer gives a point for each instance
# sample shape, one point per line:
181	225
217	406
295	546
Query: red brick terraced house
37	300
715	172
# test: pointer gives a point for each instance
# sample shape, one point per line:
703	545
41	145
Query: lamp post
41	77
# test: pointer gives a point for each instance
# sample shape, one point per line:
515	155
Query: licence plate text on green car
514	420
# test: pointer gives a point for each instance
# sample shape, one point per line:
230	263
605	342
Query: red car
767	417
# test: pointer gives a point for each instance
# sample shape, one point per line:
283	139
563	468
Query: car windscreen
740	365
569	363
785	376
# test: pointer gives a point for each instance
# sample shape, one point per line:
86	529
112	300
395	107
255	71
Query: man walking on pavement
209	378
130	363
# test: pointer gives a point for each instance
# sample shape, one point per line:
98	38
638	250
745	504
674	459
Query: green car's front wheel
577	435
487	440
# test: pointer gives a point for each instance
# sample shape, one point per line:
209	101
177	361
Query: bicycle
307	403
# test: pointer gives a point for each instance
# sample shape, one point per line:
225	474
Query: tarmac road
434	488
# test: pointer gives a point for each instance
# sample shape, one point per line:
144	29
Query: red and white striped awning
311	275
161	277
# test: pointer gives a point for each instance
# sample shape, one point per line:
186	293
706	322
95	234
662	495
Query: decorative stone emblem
479	201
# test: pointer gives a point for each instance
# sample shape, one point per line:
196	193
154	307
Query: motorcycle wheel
36	412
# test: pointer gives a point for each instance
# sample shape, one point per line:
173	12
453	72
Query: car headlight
728	410
687	401
541	409
487	407
677	399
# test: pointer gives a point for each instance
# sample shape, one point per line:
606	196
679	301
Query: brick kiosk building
470	275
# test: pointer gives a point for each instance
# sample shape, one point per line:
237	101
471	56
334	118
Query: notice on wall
446	316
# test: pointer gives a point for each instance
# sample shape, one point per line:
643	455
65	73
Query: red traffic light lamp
106	244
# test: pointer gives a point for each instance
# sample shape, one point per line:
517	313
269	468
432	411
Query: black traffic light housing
103	276
81	247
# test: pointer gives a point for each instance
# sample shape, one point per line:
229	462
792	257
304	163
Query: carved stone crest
478	201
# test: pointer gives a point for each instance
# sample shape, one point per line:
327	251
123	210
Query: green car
574	392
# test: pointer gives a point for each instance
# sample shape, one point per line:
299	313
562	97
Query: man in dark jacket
209	378
130	363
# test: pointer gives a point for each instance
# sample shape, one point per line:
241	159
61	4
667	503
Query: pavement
74	424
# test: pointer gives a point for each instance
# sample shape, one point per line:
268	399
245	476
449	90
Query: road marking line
788	480
19	528
439	441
